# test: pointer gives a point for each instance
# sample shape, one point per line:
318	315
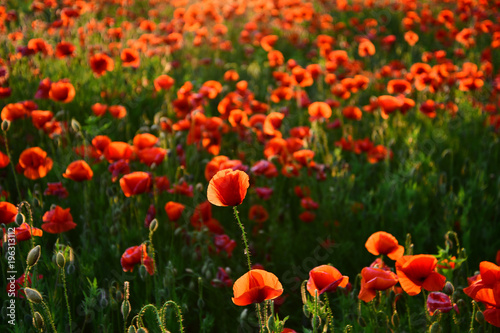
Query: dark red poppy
137	255
58	220
56	189
101	63
439	301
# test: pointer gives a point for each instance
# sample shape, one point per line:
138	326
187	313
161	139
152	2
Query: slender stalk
47	311
11	163
178	313
63	276
244	236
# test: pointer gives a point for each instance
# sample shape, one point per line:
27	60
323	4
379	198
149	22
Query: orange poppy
301	77
137	255
231	75
304	157
163	82
101	63
130	58
366	48
319	110
398	86
383	242
152	155
13	111
34	163
174	210
325	278
378	154
489	274
256	286
8	212
62	91
411	38
373	280
417	272
267	42
58	220
272	123
4	160
389	104
352	112
238	118
144	140
78	171
117	150
117	111
228	188
99	109
135	183
100	142
25	232
39	118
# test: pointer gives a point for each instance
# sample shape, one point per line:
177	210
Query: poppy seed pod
20	219
125	309
33	295
33	256
5	125
38	321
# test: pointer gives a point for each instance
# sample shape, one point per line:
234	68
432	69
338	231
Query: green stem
63	276
11	163
178	313
47	311
244	236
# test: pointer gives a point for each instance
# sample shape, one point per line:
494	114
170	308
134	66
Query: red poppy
325	278
144	140
137	255
13	111
224	243
256	286
373	280
489	275
135	183
319	110
4	160
40	118
56	189
65	49
58	220
117	111
439	301
34	163
101	63
117	150
366	48
25	232
43	89
99	109
130	58
258	214
152	155
378	154
383	242
264	193
411	38
174	210
8	212
62	91
78	171
163	82
491	298
352	112
228	188
417	272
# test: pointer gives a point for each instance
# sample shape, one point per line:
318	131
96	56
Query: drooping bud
33	295
38	321
33	256
154	225
20	219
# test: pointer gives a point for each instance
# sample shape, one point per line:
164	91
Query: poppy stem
6	141
244	236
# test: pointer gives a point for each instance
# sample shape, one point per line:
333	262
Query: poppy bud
316	321
60	260
118	295
395	319
142	330
75	125
20	219
448	288
153	226
142	272
306	311
125	309
132	329
435	328
34	296
243	315
38	321
70	269
361	322
270	323
199	187
36	203
5	125
33	256
480	318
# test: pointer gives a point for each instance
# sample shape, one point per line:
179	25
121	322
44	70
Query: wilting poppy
228	188
417	272
62	91
137	255
34	163
58	220
101	63
78	171
383	242
174	210
373	280
439	301
8	212
325	278
135	183
256	286
25	232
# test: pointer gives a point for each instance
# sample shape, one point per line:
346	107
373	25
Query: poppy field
250	166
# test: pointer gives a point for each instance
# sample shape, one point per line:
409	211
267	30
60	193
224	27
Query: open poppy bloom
325	278
373	280
34	163
174	210
137	255
163	82
25	232
78	171
8	212
490	297
130	58
319	110
489	274
101	63
382	242
256	286
228	188
58	220
62	91
417	272
135	183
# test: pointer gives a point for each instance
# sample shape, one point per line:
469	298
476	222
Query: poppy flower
78	171
224	243
228	188
56	189
43	89
411	38
439	301
258	214
256	286
25	232
174	210
366	48
58	220
117	111
117	150
39	118
264	193
13	111
378	154
491	298
101	63
325	278
383	242
99	109
4	160
137	255
352	112
417	272
319	110
135	183
34	163
152	155
163	82
144	140
489	274
65	49
8	212
130	58
62	91
373	280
